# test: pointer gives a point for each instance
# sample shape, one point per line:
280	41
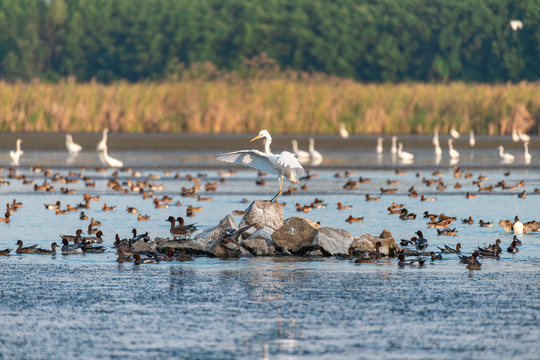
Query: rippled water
88	306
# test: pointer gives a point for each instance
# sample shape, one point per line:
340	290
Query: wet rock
296	235
260	243
333	241
367	243
192	246
263	213
210	235
140	246
219	250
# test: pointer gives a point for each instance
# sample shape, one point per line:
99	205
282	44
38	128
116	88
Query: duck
352	219
421	242
415	262
137	260
403	155
492	250
229	238
72	147
42	251
517	226
132	210
16	155
95	222
430	198
92	239
405	242
448	249
449	232
71	248
471	196
301	155
141	237
315	156
75	238
435	256
5	252
473	263
516	239
141	217
440	224
52	206
397	206
25	250
372	198
405	215
394	211
469	221
182	256
6	218
388	191
513	248
182	230
367	257
505	157
486	224
340	206
108	208
363	180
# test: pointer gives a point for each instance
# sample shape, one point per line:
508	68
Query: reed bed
235	105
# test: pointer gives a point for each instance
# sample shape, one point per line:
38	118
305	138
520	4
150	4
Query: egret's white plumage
343	131
394	145
527	156
454	154
523	137
515	137
316	157
283	165
303	156
506	157
110	161
403	155
436	138
516	25
379	145
102	145
16	155
472	140
438	150
72	147
454	133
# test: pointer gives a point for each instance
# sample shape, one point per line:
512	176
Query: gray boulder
367	242
260	243
296	235
333	241
140	246
263	213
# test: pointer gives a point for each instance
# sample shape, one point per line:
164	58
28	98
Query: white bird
316	157
523	137
506	157
110	161
403	155
303	156
102	145
436	138
283	165
454	133
516	25
515	137
394	145
527	156
472	140
454	154
343	131
379	145
438	150
16	155
72	147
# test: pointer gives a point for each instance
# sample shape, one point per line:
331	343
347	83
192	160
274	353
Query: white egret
516	25
506	157
436	138
283	165
472	140
438	150
394	145
72	147
454	133
16	155
403	155
316	157
379	145
343	131
102	145
303	156
515	137
454	154
527	156
523	137
110	161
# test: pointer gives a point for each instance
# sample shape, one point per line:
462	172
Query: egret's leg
274	199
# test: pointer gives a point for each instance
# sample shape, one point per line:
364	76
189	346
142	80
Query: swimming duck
340	206
405	215
75	238
132	210
431	198
441	224
491	249
394	211
143	217
108	208
435	256
473	263
182	256
405	242
25	250
513	248
372	198
7	218
415	262
42	251
448	249
522	195
352	219
52	206
388	191
471	196
517	226
363	180
421	242
5	252
71	249
486	224
449	232
92	239
137	260
367	257
469	221
516	239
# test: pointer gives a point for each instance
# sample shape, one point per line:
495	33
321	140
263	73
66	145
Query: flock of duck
283	165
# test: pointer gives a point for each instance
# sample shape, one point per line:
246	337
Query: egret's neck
295	146
267	146
311	146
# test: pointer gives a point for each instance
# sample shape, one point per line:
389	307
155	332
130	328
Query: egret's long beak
256	137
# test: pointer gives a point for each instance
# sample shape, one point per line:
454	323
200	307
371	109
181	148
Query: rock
333	241
209	235
263	213
296	235
260	243
218	250
142	246
314	253
192	246
367	243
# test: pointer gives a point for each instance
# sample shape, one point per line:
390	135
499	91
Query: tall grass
233	105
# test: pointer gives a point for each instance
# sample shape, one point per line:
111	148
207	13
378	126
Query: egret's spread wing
506	224
252	158
287	159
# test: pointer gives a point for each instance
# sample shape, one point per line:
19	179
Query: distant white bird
438	150
283	165
516	25
394	145
110	161
379	145
436	138
343	131
403	155
316	157
16	155
527	156
506	157
454	133
472	140
454	154
102	145
303	156
523	137
515	137
72	147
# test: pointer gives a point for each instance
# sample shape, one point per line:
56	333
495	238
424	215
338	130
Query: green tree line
368	40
